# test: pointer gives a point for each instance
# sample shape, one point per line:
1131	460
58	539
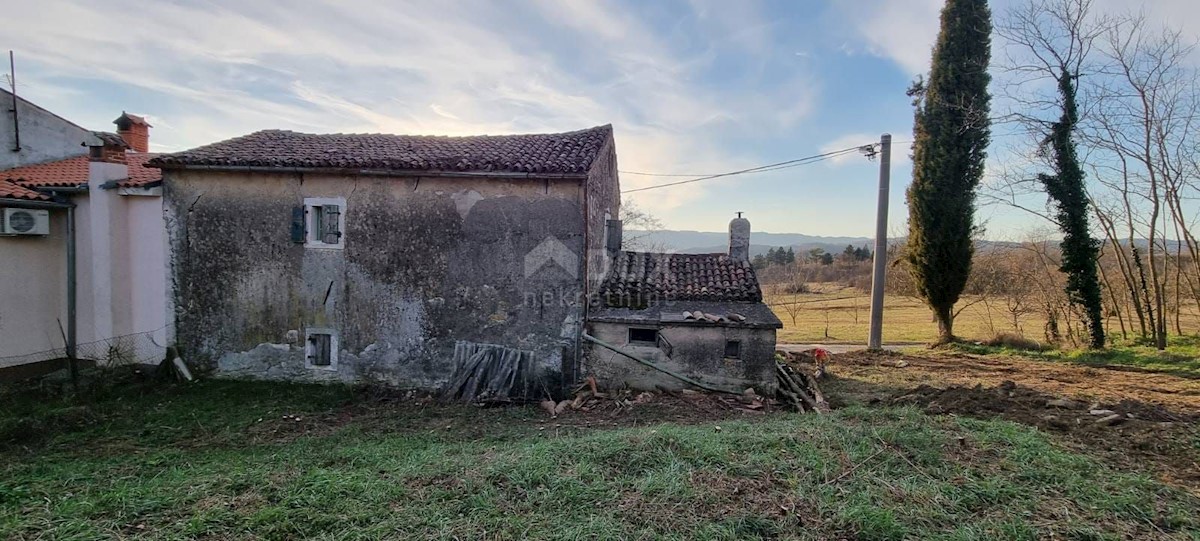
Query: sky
690	86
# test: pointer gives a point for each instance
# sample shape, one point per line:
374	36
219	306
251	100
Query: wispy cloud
901	31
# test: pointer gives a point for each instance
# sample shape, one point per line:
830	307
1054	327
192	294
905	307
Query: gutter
371	172
32	204
68	190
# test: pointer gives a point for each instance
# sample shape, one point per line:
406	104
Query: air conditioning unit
25	222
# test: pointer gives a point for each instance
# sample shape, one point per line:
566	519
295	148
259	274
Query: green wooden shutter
298	229
330	231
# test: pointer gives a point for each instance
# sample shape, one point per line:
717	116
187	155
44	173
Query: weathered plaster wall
427	261
603	199
33	277
698	352
45	137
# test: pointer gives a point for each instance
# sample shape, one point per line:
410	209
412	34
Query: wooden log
788	376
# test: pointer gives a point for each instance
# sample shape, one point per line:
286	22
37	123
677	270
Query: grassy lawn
219	460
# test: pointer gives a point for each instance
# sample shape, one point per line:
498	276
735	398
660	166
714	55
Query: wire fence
128	349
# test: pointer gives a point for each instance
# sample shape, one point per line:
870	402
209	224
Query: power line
760	169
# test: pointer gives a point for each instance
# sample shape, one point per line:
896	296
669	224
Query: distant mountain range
705	242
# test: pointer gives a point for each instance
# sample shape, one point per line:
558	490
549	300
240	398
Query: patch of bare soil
1131	420
1055	378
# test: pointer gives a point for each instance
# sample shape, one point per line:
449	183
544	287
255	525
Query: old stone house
82	243
472	265
387	258
698	315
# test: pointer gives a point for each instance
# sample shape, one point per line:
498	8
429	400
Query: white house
82	243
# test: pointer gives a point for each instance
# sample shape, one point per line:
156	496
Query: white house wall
120	278
32	279
147	262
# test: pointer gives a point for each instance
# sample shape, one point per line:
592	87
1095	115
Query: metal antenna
12	79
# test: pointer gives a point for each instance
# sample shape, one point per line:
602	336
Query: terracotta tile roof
73	172
552	153
62	173
645	278
12	190
139	174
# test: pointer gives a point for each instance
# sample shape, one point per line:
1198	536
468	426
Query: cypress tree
951	134
1065	187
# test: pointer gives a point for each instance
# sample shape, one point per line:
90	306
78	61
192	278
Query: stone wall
426	261
698	351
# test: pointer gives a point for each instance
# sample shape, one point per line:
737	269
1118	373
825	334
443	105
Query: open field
234	460
845	312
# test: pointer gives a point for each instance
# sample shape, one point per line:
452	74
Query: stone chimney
134	130
739	239
613	237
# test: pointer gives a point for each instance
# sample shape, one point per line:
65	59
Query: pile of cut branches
798	390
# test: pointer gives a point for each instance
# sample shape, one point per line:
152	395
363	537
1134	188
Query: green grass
1181	358
216	460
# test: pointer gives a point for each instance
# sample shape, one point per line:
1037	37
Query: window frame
737	344
309	349
313	207
629	339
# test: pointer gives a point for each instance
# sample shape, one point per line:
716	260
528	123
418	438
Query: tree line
778	256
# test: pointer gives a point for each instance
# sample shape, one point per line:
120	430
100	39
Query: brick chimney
134	130
739	239
109	147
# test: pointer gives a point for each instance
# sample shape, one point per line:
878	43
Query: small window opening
643	336
320	350
733	349
323	222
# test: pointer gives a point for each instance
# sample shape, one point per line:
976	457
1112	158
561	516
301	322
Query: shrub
1014	341
794	288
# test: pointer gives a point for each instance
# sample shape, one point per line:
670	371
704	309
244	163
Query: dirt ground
1133	420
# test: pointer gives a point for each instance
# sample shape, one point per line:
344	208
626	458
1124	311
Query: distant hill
704	242
708	242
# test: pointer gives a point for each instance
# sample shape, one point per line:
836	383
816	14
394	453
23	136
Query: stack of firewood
799	390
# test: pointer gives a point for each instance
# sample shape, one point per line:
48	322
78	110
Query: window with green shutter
324	222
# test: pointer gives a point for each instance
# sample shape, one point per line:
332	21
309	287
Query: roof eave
13	202
368	172
635	319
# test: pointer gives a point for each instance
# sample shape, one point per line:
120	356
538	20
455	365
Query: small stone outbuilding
698	315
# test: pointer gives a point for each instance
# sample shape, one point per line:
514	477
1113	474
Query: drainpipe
72	354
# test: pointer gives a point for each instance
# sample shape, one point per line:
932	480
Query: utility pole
875	338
